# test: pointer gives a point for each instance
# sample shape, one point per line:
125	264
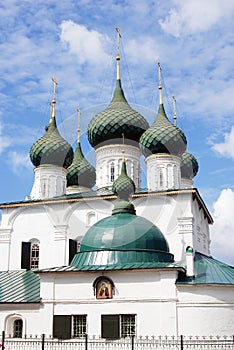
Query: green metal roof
209	271
162	137
79	261
117	119
19	287
124	231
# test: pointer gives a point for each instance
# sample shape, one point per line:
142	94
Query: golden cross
119	36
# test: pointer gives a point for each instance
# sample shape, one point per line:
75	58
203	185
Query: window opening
34	259
18	328
79	326
128	326
112	172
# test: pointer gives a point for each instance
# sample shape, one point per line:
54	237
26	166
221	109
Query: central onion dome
123	239
189	166
51	149
118	118
162	136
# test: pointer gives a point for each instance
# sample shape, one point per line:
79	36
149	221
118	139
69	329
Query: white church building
91	252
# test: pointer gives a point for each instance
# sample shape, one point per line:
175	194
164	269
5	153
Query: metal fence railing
133	343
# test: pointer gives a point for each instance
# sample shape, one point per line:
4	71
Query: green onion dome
123	186
189	166
51	148
80	172
163	137
118	118
123	238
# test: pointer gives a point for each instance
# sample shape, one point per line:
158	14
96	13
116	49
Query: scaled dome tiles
117	119
189	166
51	149
163	137
80	172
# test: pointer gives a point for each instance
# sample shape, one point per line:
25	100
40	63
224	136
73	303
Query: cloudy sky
76	42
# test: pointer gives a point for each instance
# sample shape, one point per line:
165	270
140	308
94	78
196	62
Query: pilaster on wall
61	247
49	182
5	242
186	228
163	172
109	162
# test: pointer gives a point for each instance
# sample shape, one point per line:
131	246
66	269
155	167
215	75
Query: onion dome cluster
189	166
118	118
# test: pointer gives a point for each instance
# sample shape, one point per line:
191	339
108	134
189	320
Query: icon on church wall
104	289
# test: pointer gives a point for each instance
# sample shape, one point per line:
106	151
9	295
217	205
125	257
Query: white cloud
4	140
226	148
87	45
193	16
222	232
19	162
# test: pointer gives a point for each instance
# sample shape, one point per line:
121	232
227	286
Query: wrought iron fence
133	343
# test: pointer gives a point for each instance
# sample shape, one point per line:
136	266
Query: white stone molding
77	189
186	225
163	172
49	181
60	232
108	164
5	235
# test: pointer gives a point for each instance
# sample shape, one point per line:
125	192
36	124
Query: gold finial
53	102
118	52
174	103
78	129
160	83
55	85
123	157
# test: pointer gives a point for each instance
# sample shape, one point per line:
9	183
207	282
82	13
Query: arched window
18	328
160	178
112	172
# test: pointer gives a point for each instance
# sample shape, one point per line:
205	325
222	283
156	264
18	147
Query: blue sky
76	42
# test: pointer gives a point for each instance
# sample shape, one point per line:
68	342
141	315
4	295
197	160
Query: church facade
91	252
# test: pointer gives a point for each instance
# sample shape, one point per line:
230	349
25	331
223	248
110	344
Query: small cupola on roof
162	136
50	155
118	118
189	168
123	186
51	148
81	174
123	240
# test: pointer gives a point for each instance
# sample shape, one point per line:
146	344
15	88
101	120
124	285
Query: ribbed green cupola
162	136
80	172
189	166
119	117
122	238
51	148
